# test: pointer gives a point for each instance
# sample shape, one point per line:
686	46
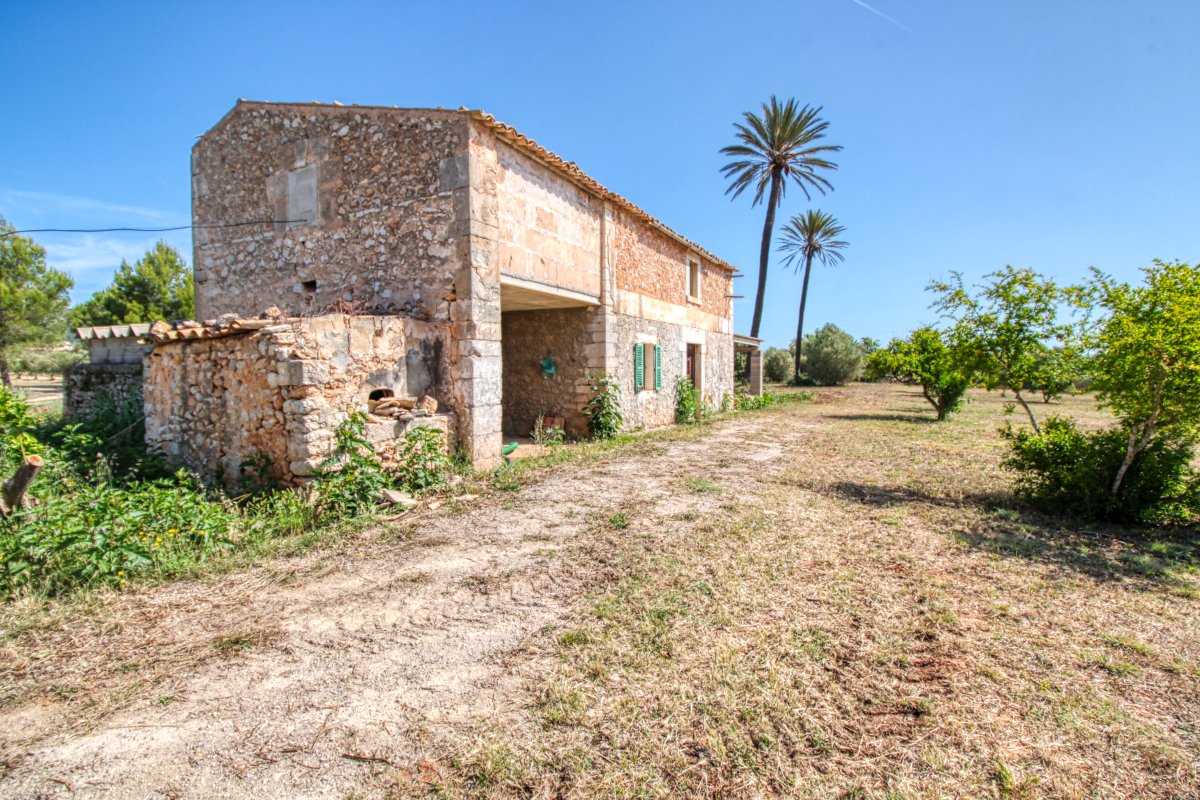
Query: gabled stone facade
493	248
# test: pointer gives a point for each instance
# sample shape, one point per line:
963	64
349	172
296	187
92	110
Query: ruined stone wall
282	391
209	405
380	190
91	388
652	264
530	336
549	228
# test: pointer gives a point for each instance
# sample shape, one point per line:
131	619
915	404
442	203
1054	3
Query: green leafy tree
781	145
1147	362
33	297
812	235
924	360
833	356
1005	325
158	286
1056	371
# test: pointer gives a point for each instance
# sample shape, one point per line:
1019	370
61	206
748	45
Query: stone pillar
756	371
475	317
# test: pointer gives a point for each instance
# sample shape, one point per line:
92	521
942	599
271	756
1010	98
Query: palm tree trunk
764	252
800	322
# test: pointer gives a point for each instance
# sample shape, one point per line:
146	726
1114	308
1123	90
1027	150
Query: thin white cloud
92	259
882	15
41	204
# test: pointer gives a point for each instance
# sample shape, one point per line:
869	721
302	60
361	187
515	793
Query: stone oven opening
379	394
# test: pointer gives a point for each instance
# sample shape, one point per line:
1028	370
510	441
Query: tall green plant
778	146
349	481
806	237
603	409
687	401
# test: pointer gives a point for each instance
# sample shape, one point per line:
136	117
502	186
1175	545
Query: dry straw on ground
835	599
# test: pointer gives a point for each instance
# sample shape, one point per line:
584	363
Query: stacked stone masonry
457	255
280	393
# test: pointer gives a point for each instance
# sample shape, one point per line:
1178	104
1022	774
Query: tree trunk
15	488
800	322
1028	411
5	377
764	252
1131	452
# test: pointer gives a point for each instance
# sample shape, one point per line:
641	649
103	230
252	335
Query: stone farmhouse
347	255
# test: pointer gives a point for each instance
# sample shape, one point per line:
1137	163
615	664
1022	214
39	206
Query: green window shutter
638	367
658	367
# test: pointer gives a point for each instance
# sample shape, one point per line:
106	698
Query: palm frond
781	139
812	234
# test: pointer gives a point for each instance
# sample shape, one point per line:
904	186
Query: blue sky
1054	134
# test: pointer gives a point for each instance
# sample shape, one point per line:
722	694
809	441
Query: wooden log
15	489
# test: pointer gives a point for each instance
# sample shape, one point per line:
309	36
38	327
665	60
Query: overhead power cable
154	230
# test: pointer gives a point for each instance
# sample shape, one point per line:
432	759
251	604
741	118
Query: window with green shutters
645	359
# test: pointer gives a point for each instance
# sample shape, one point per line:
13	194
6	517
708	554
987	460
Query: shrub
743	401
687	401
94	533
422	461
777	365
1067	471
832	356
348	482
603	410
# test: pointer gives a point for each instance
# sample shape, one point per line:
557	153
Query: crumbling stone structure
405	255
217	397
485	243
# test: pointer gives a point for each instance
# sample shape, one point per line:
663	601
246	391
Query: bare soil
822	600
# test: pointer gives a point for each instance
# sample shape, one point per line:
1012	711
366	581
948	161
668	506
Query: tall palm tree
778	146
808	236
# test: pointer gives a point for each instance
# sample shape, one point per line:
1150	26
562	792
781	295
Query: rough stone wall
549	229
378	187
654	265
282	392
90	387
209	405
648	408
530	336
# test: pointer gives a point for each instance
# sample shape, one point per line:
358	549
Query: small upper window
693	279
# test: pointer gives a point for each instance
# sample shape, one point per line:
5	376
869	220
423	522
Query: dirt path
313	678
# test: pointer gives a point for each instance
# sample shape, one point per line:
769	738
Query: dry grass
872	617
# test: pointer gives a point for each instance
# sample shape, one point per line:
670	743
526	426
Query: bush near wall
110	512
